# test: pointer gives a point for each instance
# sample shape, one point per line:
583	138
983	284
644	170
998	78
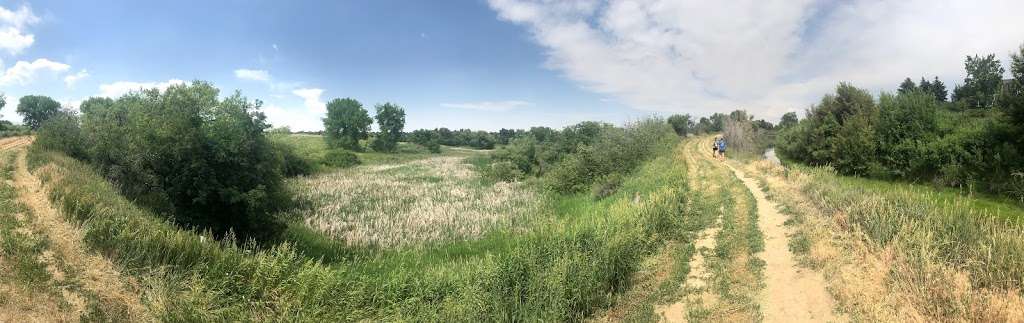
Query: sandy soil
791	293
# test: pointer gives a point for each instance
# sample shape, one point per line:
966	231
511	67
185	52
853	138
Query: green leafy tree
938	89
1011	97
905	123
788	120
984	75
391	120
427	138
3	102
36	109
907	86
681	123
346	123
188	153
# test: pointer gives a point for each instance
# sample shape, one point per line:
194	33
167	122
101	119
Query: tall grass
428	200
963	232
560	271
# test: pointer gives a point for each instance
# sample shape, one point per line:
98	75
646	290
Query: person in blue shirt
721	147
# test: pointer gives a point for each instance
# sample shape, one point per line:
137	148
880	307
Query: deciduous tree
36	109
391	120
347	122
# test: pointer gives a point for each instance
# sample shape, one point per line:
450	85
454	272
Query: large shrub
340	158
62	133
186	153
615	151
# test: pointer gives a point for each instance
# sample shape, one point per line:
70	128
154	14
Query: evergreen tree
907	86
939	90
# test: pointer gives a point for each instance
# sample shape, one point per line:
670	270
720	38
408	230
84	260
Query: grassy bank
898	251
567	265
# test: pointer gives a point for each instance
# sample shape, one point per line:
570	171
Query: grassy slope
35	279
895	251
314	148
562	269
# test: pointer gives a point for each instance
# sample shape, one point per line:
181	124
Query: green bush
614	151
606	186
505	171
203	161
293	164
62	133
340	158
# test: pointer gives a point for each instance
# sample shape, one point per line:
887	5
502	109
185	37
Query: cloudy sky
497	63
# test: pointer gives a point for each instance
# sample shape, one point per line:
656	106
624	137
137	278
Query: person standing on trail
714	148
721	147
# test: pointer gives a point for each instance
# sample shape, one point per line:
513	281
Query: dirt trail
98	275
698	277
791	293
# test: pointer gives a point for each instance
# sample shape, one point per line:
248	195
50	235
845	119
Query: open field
427	200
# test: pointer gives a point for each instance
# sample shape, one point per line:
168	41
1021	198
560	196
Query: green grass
572	260
976	234
313	147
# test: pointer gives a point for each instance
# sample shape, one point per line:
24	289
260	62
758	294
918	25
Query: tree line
973	140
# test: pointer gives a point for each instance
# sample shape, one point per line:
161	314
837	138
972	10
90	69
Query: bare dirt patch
791	294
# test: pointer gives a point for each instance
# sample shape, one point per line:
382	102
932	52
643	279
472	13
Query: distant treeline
974	140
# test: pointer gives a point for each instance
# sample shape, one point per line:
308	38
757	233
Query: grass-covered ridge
564	268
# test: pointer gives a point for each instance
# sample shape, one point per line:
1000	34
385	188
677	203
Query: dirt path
98	275
699	276
791	293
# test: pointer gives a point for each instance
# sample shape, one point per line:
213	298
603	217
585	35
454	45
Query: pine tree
907	86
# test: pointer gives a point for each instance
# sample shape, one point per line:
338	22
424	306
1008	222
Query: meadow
485	250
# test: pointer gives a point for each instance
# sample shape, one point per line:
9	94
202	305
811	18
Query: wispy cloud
766	56
117	89
252	75
23	72
495	106
13	36
311	98
71	79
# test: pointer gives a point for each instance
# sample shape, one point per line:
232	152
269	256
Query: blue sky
443	61
488	64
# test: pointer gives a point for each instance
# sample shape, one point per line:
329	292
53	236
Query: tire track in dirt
791	294
697	279
98	275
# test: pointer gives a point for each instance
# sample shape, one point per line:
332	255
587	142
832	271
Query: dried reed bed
430	200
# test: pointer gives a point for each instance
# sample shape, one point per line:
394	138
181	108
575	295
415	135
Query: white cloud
71	79
252	75
298	119
117	89
765	56
274	46
497	106
311	99
24	72
13	37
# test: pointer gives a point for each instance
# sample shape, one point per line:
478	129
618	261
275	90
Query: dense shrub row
589	156
975	142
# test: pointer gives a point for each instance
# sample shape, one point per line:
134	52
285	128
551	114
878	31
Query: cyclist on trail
721	147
